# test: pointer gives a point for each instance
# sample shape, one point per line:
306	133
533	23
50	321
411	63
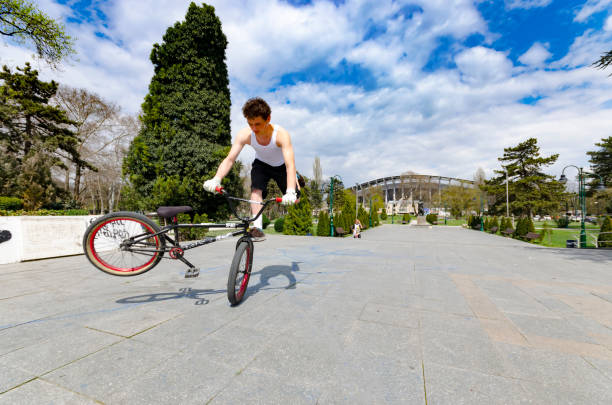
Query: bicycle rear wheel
118	244
240	272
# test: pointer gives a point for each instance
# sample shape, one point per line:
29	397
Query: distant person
357	228
274	159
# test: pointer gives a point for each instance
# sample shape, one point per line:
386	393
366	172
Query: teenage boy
274	159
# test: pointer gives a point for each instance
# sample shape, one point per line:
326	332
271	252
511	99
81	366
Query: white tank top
270	153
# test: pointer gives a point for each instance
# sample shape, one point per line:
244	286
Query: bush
265	221
279	224
474	222
298	220
383	215
523	226
432	218
10	203
563	222
406	217
323	224
605	240
42	213
494	223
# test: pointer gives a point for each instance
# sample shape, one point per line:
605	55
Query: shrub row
42	213
10	203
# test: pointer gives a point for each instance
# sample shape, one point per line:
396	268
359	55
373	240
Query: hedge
10	203
42	213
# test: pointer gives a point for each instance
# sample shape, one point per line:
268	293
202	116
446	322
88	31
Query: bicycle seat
169	212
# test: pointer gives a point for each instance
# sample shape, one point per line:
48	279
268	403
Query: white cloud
608	24
448	122
526	4
536	55
480	65
591	7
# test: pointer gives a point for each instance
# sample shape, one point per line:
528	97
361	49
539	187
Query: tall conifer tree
530	189
34	135
186	119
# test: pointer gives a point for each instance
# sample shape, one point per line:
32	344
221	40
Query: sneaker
257	235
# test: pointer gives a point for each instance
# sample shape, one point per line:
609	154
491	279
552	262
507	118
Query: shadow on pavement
198	295
270	272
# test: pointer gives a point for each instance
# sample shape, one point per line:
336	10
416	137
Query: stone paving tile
181	331
463	352
34	393
11	377
464	325
34	333
449	385
551	367
391	315
554	328
58	351
552	393
130	322
187	378
259	388
112	369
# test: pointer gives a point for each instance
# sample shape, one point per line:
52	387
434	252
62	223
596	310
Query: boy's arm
227	163
284	141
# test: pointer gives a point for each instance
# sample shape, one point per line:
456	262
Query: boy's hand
212	184
290	197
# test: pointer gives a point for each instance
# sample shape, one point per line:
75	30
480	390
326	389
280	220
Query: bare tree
102	189
104	136
479	177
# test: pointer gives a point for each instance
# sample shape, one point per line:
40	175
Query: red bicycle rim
110	266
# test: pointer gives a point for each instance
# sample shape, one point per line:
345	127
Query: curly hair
256	107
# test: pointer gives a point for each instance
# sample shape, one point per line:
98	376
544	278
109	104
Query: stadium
403	193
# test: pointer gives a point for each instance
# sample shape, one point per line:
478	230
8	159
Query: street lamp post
507	199
581	199
481	213
331	203
356	198
370	212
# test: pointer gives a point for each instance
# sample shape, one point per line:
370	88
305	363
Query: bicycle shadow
270	272
198	295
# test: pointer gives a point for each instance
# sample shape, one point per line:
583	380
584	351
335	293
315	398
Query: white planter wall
42	237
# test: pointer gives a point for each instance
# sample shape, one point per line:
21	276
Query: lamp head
563	179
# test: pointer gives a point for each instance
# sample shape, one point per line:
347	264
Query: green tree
459	199
186	116
323	224
530	190
299	216
605	239
35	136
601	161
22	21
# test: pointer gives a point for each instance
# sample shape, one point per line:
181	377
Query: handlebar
264	204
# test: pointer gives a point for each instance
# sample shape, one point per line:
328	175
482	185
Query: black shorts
261	173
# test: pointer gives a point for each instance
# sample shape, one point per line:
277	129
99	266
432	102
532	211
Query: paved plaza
405	315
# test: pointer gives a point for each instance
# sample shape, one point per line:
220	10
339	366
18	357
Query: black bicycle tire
245	247
96	225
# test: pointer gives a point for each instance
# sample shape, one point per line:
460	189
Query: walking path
405	315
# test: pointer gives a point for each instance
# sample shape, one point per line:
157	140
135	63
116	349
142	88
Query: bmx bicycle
128	244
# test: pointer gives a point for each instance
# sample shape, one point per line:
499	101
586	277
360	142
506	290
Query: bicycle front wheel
123	244
240	272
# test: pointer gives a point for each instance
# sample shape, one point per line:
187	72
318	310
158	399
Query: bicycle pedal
192	272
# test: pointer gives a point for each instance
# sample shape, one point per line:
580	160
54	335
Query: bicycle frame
175	249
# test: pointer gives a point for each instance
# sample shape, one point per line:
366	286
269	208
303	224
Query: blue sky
377	87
